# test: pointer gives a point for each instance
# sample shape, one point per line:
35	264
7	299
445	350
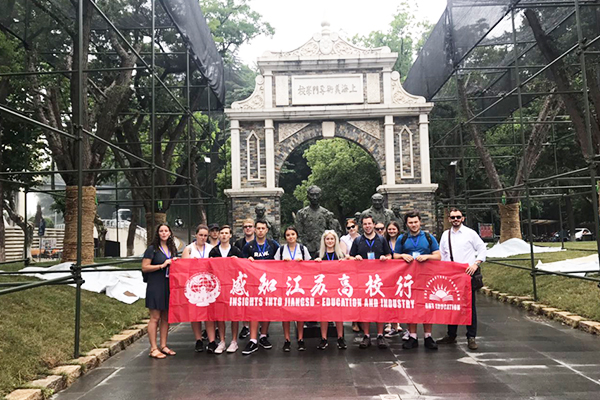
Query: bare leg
324	326
235	325
164	327
380	326
286	329
254	330
340	329
153	328
365	327
300	329
222	330
197	328
264	329
412	328
210	331
427	328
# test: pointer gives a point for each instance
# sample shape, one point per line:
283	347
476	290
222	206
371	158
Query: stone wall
403	170
423	202
246	129
243	207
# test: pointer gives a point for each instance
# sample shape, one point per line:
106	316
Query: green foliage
346	173
405	36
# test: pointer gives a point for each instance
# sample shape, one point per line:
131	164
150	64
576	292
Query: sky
296	22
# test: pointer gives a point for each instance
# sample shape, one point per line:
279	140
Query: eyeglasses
350	227
455	217
248	226
379	229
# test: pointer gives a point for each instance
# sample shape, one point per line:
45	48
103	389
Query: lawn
573	295
37	327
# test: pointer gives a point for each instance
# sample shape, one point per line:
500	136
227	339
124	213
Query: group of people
376	241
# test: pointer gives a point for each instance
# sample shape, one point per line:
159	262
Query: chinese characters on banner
231	289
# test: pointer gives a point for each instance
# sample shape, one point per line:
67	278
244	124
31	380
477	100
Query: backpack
427	236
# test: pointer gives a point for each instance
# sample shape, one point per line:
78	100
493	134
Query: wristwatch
478	262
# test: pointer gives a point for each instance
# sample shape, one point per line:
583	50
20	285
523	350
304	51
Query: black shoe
264	342
342	344
365	342
199	346
301	345
430	343
250	348
244	333
204	335
381	343
447	340
287	346
411	343
212	346
323	345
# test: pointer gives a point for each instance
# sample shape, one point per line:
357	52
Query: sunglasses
455	217
248	226
379	229
351	227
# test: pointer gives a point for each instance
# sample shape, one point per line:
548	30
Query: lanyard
261	250
370	244
415	239
203	250
332	256
165	253
293	256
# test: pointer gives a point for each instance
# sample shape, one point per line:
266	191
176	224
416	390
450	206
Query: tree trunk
87	225
27	228
159	218
570	218
131	232
510	223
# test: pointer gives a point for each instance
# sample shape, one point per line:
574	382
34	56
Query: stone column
424	141
235	155
390	165
270	153
387	86
268	75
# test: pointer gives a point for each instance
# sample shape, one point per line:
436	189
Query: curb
63	376
566	318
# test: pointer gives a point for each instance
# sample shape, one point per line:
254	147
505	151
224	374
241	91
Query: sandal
155	353
168	351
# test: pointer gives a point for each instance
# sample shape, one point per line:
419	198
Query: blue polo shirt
416	243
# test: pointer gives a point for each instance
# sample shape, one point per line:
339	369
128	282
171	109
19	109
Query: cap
213	226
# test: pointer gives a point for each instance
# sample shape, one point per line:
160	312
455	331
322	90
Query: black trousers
471	329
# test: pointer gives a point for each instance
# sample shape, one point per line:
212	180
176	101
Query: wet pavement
520	356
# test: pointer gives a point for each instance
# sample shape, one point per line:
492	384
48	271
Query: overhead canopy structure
190	21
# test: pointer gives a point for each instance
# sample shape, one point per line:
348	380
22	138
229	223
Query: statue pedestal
413	196
243	202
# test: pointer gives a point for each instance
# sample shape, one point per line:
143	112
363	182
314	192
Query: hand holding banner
233	289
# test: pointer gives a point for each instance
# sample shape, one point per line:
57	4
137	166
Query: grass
573	295
37	327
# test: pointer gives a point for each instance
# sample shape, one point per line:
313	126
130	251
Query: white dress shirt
467	246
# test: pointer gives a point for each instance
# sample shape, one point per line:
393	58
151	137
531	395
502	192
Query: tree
405	36
345	172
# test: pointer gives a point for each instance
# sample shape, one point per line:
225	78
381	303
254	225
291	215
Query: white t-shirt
347	240
224	252
299	253
195	253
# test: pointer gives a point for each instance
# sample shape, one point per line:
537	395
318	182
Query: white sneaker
220	348
233	346
406	335
388	327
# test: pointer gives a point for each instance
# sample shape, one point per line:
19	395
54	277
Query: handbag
477	277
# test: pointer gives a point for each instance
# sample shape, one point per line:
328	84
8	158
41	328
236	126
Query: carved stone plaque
327	89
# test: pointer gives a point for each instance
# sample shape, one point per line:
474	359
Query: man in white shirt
464	246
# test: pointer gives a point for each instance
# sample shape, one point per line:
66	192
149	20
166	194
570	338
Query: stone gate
324	89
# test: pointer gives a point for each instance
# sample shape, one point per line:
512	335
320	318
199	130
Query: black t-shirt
233	251
330	256
378	245
266	251
240	243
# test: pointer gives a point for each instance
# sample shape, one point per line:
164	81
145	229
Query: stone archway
329	88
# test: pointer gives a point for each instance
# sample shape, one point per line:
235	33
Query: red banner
234	289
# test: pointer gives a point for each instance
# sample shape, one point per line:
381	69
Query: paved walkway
520	356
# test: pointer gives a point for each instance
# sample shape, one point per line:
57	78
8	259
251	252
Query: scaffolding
488	47
178	81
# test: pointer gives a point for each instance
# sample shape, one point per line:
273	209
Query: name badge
370	255
415	254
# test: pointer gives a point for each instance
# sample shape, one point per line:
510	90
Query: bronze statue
260	211
313	220
378	211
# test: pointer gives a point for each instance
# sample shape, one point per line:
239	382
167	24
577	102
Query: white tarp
516	246
125	286
587	263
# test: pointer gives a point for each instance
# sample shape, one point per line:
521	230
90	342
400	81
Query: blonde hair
337	249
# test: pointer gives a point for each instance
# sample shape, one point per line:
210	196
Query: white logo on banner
202	289
440	289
